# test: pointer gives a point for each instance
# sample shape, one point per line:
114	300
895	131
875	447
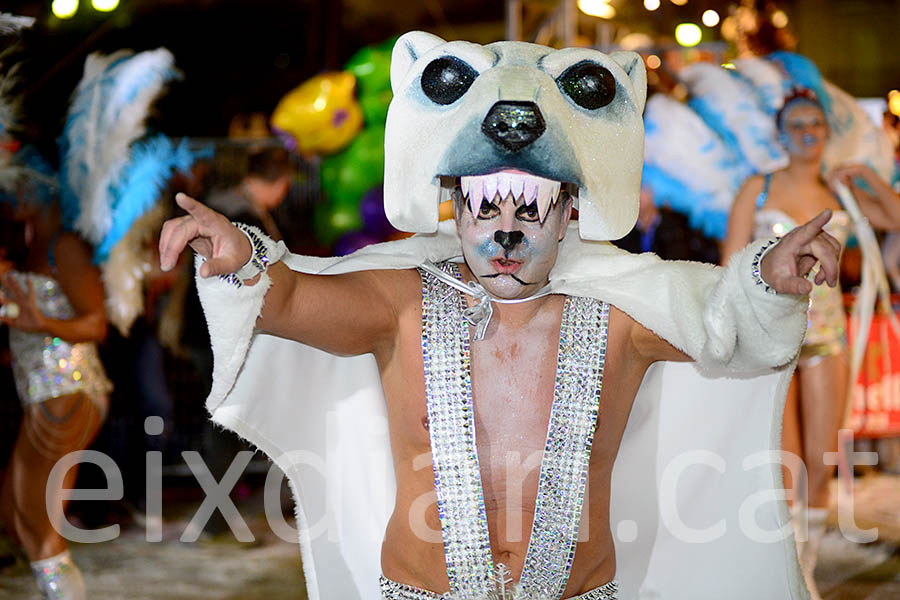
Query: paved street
269	568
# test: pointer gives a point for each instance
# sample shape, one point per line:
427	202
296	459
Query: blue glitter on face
488	248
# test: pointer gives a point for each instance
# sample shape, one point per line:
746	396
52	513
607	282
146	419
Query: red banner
875	410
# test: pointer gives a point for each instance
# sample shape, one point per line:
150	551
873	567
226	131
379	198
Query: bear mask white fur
599	150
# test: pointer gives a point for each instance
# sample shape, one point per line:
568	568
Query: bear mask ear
633	65
409	47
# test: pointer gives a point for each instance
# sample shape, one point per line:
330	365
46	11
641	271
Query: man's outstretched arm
746	328
343	314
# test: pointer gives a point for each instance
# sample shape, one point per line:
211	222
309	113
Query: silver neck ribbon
481	312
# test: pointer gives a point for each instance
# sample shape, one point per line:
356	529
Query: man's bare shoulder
402	286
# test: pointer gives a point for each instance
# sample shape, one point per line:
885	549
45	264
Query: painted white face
805	130
510	245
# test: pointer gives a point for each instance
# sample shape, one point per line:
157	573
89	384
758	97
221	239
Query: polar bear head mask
514	116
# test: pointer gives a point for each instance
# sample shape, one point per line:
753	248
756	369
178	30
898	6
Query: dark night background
242	56
237	56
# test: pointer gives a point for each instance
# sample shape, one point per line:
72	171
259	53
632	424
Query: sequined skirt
826	332
391	590
47	367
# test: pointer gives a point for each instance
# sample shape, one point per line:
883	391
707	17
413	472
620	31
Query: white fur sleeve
746	327
716	315
231	314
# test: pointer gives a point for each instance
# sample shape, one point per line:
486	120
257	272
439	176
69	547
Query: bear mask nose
514	125
508	239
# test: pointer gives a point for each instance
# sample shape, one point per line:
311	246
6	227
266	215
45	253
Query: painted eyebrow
467	57
540	63
542	66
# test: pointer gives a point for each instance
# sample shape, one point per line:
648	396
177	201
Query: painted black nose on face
514	125
508	239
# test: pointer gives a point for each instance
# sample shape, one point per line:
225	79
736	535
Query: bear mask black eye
446	79
588	84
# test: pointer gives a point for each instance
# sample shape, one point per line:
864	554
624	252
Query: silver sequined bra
564	466
47	367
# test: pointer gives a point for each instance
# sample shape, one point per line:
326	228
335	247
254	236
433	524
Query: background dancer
773	204
53	304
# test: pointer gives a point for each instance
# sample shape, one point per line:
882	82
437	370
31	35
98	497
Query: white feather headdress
12	174
112	174
13	23
106	115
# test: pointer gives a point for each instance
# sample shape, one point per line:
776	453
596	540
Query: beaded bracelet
757	260
259	256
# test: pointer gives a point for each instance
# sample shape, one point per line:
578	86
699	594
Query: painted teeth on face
548	192
516	187
490	187
521	186
503	185
476	193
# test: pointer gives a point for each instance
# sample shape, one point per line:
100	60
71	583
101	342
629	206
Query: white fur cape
696	511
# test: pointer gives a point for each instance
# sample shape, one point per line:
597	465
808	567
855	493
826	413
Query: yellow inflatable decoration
445	210
321	116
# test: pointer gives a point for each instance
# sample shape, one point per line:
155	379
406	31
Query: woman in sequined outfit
53	328
771	205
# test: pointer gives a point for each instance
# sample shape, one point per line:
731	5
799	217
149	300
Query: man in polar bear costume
492	408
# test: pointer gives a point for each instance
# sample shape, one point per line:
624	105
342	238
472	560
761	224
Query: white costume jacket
697	507
697	501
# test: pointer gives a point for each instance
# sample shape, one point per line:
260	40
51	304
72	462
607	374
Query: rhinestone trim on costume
564	467
756	268
570	435
451	423
391	590
259	256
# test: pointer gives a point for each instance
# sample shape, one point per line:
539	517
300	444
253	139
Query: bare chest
513	381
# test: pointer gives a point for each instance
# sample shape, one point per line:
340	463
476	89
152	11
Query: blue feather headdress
105	117
698	154
27	177
138	188
112	176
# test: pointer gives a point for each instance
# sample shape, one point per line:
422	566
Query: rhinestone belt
391	590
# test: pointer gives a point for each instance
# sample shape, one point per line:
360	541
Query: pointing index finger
198	210
808	232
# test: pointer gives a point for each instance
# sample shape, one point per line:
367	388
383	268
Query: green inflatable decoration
375	106
331	221
350	174
345	177
372	68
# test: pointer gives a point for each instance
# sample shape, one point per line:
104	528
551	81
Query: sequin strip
59	578
570	435
391	590
45	366
457	477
